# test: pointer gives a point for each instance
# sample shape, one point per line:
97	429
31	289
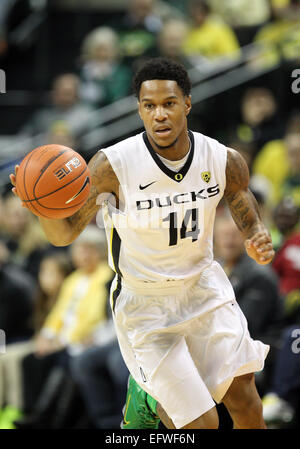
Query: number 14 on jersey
189	226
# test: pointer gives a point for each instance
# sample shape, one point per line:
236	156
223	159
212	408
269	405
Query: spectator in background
170	41
138	29
255	287
52	271
82	300
80	308
282	401
284	157
286	263
209	37
101	375
65	108
281	404
26	243
16	313
280	39
16	299
178	4
4	12
244	16
259	118
104	79
291	184
59	133
15	16
246	149
240	13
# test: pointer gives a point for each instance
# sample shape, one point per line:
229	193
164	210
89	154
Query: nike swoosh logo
145	187
86	182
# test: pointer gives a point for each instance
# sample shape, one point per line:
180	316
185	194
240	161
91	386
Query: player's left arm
244	209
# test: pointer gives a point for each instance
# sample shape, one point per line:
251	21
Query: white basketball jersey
166	230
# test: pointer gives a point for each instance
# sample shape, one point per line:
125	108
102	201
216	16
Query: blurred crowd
62	366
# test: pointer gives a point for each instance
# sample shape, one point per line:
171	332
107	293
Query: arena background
67	67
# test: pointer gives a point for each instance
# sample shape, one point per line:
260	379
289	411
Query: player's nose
160	114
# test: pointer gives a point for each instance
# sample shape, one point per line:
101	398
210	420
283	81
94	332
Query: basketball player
180	330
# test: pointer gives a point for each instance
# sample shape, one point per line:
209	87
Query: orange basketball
53	181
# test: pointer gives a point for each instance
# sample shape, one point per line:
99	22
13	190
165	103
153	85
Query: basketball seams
61	208
39	213
54	191
30	156
38	162
43	171
24	179
36	199
49	163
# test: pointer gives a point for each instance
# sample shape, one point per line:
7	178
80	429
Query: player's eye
148	105
170	104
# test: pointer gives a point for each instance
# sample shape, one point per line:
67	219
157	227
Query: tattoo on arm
103	181
80	219
240	200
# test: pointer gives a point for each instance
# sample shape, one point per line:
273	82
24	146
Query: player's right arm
245	211
103	181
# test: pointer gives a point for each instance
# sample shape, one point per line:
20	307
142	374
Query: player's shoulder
210	143
125	144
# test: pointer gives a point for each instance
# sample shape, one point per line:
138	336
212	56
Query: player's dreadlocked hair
162	69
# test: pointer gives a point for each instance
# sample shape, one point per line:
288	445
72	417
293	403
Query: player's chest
160	201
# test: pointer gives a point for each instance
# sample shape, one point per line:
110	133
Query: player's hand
260	248
44	346
12	178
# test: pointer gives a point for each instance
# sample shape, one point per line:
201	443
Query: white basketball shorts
185	364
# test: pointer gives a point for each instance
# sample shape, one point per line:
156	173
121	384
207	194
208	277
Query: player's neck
177	151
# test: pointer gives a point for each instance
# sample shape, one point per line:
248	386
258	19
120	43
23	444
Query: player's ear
188	104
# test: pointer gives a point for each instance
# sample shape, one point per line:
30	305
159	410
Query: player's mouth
163	131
